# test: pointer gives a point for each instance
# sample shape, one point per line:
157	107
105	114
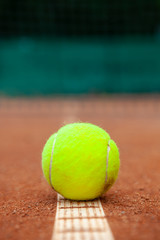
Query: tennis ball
80	161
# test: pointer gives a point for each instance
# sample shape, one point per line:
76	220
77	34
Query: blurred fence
73	46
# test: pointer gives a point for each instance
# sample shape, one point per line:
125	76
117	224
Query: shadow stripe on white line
80	221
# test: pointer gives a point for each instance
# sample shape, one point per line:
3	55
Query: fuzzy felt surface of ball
80	161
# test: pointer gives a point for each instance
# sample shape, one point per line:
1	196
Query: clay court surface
28	204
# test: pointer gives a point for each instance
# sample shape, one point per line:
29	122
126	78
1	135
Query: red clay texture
28	204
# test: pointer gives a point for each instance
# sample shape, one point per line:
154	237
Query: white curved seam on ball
108	150
51	161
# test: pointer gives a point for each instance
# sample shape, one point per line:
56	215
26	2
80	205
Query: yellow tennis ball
80	161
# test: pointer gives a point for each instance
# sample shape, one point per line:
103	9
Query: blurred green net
73	46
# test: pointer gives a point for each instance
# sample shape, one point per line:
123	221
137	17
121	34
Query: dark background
72	46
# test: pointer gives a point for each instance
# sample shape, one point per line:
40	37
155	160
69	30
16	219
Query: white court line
80	221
